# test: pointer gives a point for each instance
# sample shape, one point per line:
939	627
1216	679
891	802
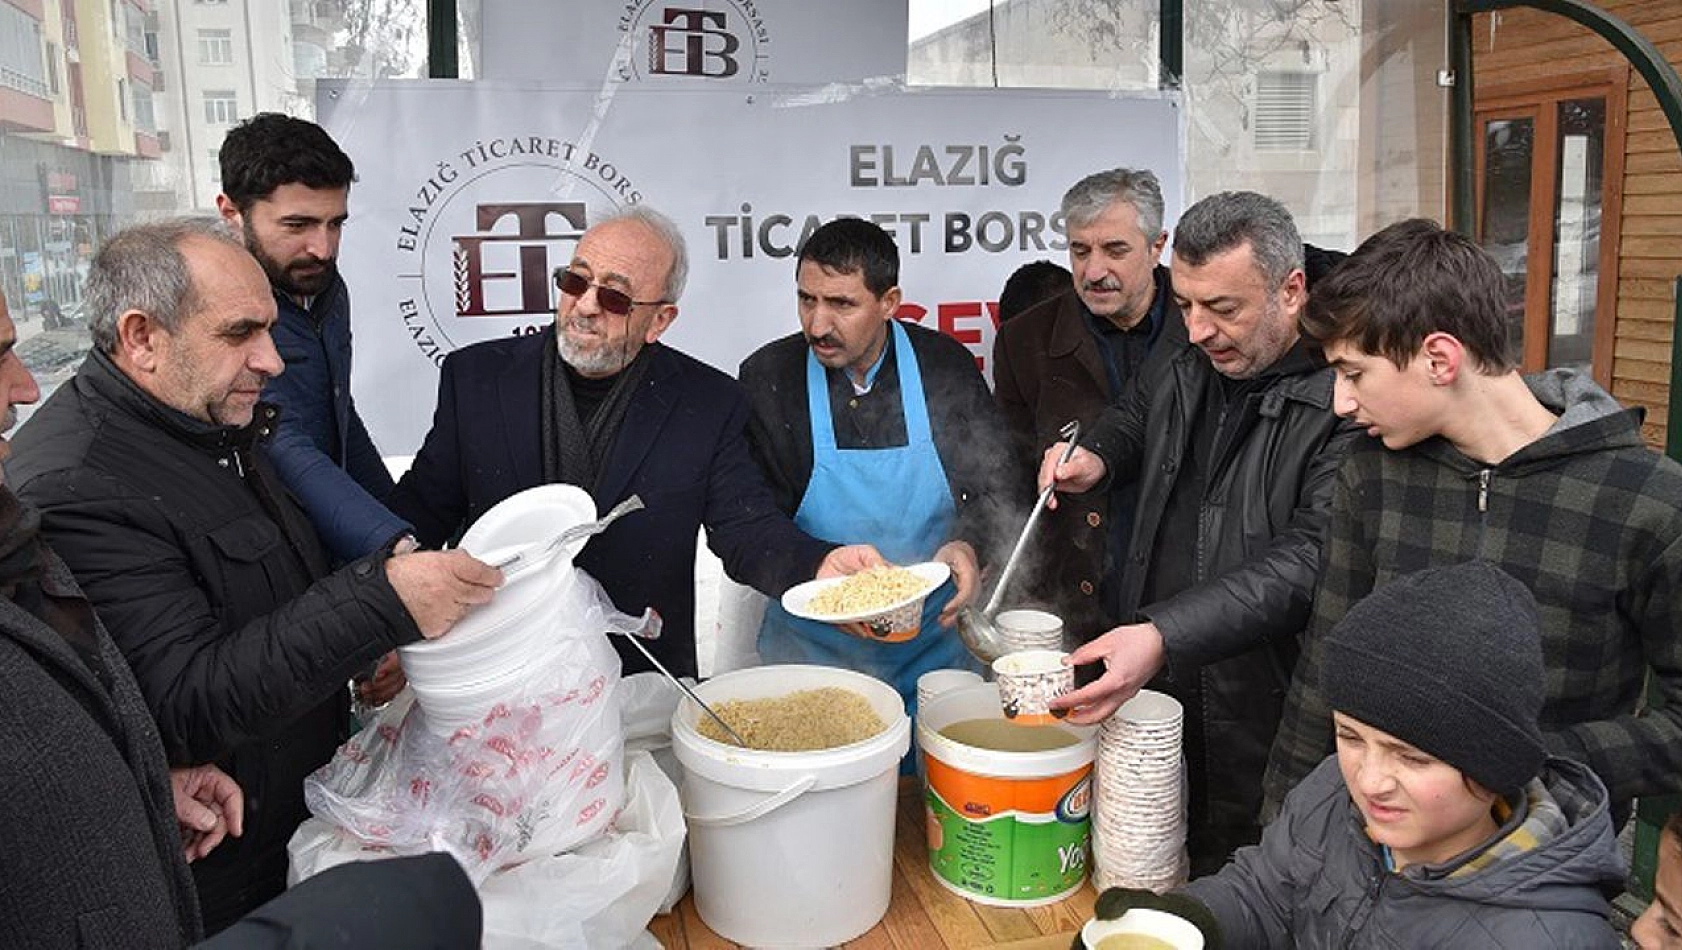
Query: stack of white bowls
1139	808
490	654
1028	629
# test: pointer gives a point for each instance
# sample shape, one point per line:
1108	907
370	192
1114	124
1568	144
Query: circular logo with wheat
490	246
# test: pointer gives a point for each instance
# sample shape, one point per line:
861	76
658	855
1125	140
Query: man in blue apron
875	431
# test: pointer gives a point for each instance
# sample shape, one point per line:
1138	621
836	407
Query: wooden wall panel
1518	47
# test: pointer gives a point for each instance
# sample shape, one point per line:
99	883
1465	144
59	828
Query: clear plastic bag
538	773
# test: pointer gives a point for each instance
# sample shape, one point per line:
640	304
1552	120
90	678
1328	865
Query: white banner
706	42
470	194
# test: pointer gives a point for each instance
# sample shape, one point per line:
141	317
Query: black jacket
1232	636
682	447
215	589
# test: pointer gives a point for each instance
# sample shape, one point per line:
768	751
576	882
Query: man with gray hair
151	472
1071	356
596	401
1229	440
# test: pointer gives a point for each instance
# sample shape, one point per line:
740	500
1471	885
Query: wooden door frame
1515	100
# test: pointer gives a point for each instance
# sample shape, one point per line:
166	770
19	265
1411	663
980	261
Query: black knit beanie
1448	660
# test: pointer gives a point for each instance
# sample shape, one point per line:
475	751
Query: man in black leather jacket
1229	439
151	473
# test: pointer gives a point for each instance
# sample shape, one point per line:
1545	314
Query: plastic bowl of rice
884	604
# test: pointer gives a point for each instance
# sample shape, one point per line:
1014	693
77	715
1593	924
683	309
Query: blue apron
895	498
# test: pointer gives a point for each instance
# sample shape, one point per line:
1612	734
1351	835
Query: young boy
1660	928
1439	822
1546	476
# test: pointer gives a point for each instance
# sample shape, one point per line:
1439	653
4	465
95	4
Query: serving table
922	914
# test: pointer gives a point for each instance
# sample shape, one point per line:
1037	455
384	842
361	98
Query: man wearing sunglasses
595	400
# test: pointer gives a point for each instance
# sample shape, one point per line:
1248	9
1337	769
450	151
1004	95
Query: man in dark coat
596	401
1231	441
99	832
285	189
1068	358
153	483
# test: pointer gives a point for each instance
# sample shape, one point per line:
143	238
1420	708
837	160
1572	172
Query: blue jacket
682	446
322	450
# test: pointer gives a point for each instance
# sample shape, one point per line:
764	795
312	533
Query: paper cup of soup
1142	929
1028	681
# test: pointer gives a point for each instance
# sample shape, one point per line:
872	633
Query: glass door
1543	205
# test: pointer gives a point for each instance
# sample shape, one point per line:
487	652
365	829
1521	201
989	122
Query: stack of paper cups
1029	630
1139	809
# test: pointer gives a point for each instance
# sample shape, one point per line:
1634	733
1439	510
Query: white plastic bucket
1011	829
791	849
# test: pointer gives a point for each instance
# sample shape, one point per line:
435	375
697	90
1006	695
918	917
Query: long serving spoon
975	627
1070	434
686	690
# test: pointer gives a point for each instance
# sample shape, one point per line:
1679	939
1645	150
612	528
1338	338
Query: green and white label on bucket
1009	841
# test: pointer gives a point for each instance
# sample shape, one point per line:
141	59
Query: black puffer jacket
215	589
1232	636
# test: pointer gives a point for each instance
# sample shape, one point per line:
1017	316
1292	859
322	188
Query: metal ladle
980	634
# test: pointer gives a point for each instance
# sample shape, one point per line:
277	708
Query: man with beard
1229	439
285	188
150	470
596	401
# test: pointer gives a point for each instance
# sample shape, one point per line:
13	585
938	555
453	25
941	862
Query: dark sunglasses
574	284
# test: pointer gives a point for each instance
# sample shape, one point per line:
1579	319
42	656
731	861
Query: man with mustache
872	430
1229	439
285	190
150	470
1069	357
597	401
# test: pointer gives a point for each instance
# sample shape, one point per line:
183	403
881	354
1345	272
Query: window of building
216	47
122	99
52	68
134	30
144	119
21	67
221	107
1285	111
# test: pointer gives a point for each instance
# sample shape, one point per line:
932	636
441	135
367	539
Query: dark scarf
24	582
573	448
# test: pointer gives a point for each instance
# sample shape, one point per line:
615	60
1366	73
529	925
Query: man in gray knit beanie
1448	660
1437	824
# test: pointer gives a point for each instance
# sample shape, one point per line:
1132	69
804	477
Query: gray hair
1093	195
1224	221
142	268
668	232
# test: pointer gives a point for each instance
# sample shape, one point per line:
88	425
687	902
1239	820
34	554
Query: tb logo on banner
525	251
680	46
476	249
730	43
